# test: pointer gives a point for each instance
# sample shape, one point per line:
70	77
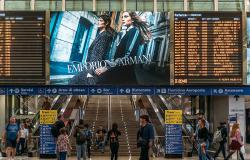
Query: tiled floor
120	158
247	157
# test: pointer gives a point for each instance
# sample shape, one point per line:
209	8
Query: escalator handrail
36	122
77	118
184	116
36	117
183	126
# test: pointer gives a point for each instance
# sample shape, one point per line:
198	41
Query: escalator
156	106
154	118
57	104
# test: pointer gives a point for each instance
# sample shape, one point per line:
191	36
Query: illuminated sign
207	48
173	116
48	116
22	47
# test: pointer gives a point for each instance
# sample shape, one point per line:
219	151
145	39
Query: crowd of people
85	138
204	139
16	137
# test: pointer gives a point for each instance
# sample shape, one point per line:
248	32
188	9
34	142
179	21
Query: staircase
99	112
123	114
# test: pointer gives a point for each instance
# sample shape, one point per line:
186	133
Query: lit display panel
207	48
22	47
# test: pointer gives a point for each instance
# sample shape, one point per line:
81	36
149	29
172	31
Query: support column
246	5
216	5
63	5
36	103
237	106
186	8
94	5
1	5
32	5
155	5
124	5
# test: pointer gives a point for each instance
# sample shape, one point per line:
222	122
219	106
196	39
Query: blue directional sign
113	90
47	141
3	91
102	91
173	139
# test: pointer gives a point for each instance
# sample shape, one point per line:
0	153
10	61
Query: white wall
238	107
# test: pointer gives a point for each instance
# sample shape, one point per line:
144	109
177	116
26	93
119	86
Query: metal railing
159	146
186	131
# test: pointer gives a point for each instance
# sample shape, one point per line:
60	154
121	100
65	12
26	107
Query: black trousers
231	153
88	149
114	147
221	149
144	152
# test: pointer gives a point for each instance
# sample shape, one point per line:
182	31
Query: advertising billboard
109	48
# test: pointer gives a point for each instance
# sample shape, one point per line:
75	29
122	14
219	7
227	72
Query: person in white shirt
23	139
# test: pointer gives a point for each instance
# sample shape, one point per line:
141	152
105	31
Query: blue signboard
47	141
173	139
113	90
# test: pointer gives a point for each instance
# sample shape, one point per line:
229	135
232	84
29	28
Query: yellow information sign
173	116
48	116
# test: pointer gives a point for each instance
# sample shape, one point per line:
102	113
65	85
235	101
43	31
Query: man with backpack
220	136
81	133
11	138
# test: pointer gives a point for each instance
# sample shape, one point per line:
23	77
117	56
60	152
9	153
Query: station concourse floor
247	157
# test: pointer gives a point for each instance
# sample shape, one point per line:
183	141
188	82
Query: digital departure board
22	47
208	48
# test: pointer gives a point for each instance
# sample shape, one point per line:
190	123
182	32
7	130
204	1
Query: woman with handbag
236	141
202	140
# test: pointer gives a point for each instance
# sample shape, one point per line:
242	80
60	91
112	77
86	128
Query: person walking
80	133
63	145
236	141
222	133
202	140
89	139
113	140
24	133
11	137
145	137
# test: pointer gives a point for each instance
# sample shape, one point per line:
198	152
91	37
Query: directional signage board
113	90
173	133
47	140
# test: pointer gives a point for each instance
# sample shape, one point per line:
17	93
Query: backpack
217	136
113	137
81	136
54	131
